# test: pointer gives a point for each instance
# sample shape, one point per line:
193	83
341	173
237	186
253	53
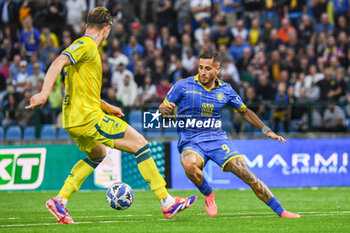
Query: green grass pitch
322	210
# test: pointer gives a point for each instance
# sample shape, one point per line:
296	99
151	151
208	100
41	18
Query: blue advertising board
296	163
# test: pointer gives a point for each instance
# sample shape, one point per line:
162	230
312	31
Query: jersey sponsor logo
194	92
21	168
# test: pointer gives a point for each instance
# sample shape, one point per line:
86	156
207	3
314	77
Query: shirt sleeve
79	51
235	100
175	93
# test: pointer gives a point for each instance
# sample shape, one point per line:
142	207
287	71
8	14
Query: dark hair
99	17
211	55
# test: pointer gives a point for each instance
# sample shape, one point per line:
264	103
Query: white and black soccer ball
120	196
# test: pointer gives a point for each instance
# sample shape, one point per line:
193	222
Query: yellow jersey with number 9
82	102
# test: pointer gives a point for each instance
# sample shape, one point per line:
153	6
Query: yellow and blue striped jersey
195	103
82	102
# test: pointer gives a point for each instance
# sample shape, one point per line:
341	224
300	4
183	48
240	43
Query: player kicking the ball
202	98
85	120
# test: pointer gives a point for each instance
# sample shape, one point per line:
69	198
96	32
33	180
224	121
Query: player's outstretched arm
253	119
53	72
166	109
111	109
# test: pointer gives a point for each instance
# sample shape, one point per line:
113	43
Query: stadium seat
29	133
1	133
62	134
135	116
48	132
13	132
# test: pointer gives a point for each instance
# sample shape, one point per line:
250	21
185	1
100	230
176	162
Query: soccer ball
120	196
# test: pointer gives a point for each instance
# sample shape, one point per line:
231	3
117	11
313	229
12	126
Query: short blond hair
99	17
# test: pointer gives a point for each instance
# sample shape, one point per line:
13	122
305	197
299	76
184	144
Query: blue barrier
297	163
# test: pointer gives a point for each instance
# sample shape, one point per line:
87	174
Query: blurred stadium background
288	60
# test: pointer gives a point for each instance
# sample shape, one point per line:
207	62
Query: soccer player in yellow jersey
93	123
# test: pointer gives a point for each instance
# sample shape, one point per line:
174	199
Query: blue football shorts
220	151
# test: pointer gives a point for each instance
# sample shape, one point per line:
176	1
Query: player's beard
208	80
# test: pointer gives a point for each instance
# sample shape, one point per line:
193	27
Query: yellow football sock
149	172
76	177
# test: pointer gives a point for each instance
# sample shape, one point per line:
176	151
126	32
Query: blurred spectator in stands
321	64
159	72
29	38
35	77
264	90
343	49
325	85
127	91
46	33
284	31
45	52
318	7
133	46
294	44
340	8
305	30
236	50
21	80
312	90
230	69
139	72
266	32
164	37
25	117
118	32
199	33
186	43
111	98
162	90
342	26
200	9
9	111
293	9
34	59
165	14
9	15
222	36
172	48
230	9
147	92
184	14
27	9
55	99
334	119
117	58
254	103
179	72
5	68
300	83
3	89
275	67
254	32
188	61
119	74
252	10
5	48
311	57
338	86
240	30
271	13
324	26
281	111
76	14
57	12
316	121
330	50
321	44
274	42
15	67
106	78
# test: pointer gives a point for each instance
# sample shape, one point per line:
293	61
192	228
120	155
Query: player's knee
190	168
140	142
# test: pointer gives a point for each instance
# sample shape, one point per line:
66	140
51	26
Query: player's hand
115	111
274	136
37	100
167	109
